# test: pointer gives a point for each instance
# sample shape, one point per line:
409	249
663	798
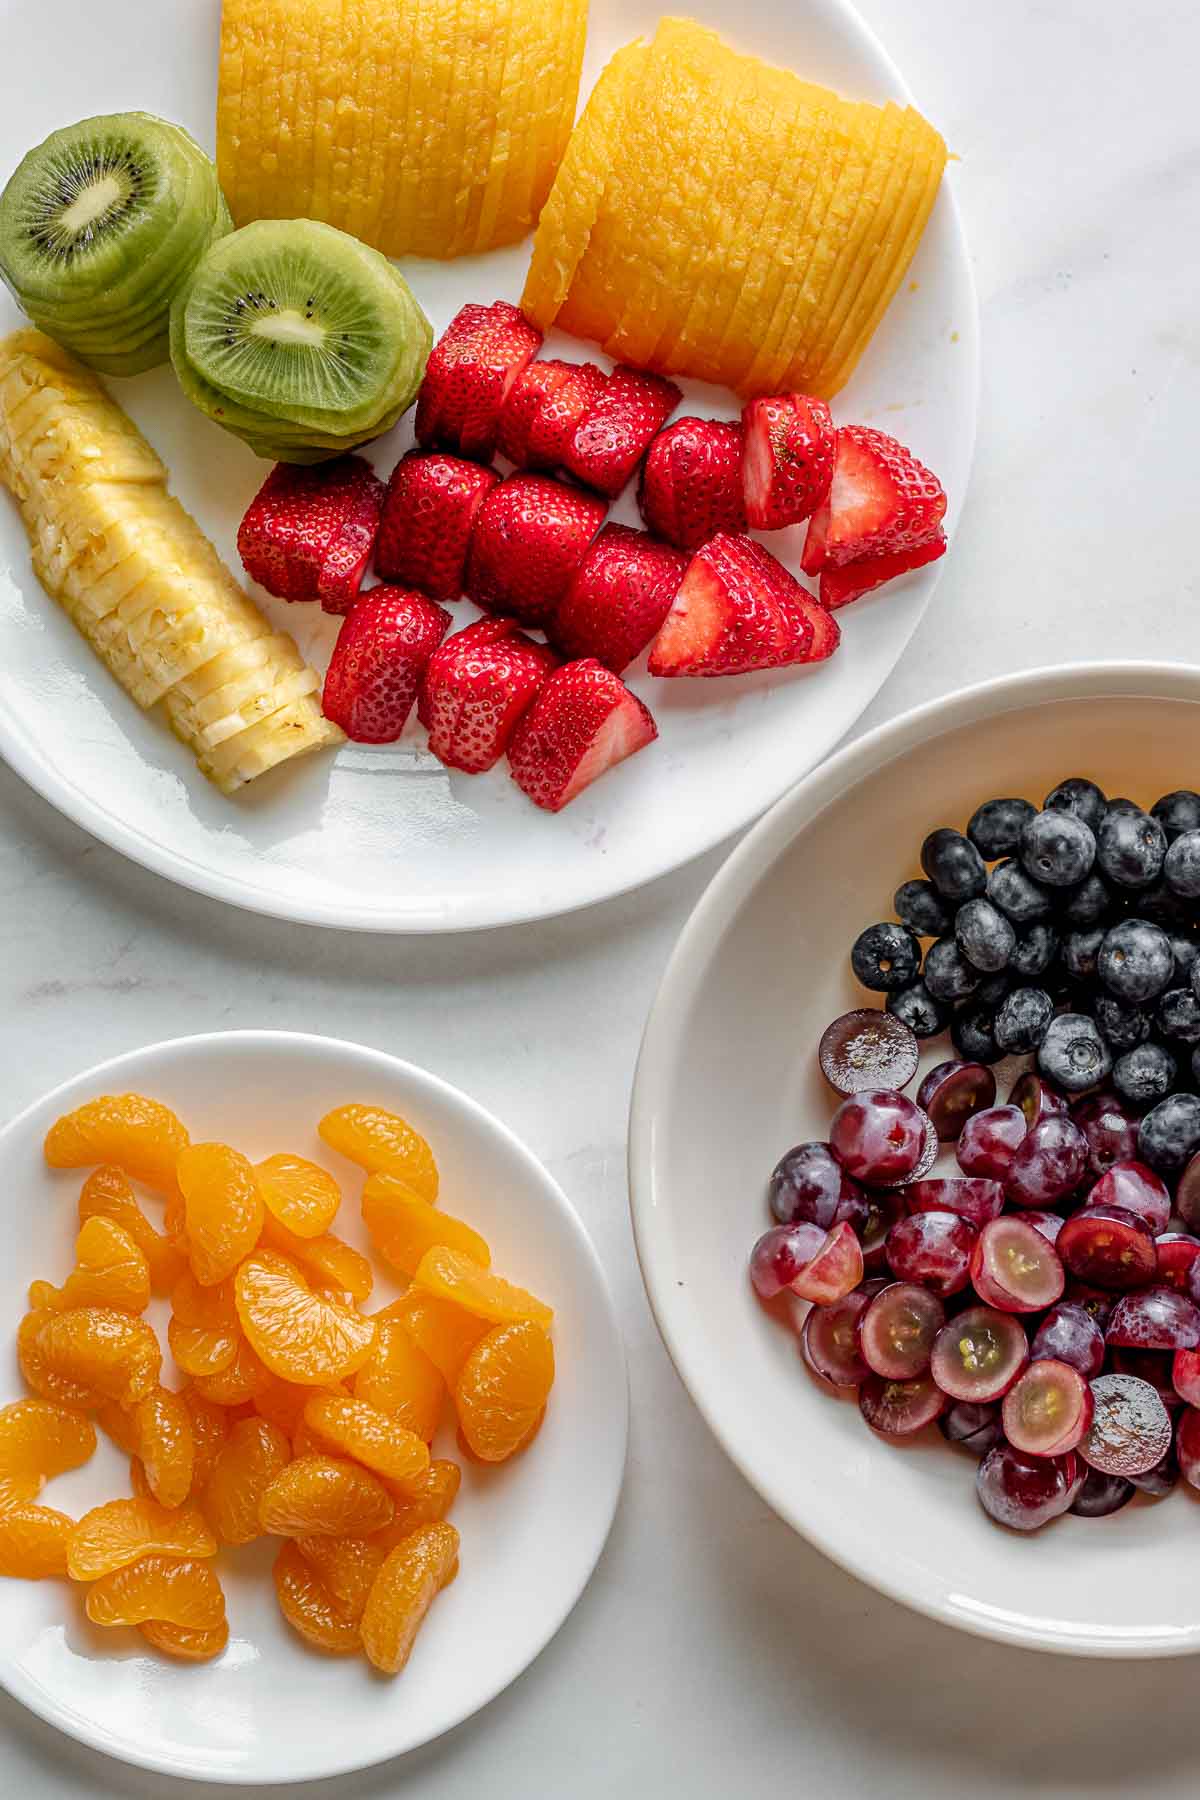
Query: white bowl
269	1709
728	1080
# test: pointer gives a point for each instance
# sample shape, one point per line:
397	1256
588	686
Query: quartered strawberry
620	596
529	538
477	685
840	586
881	502
787	462
691	482
618	429
468	376
558	418
583	722
380	656
534	386
425	530
739	609
309	532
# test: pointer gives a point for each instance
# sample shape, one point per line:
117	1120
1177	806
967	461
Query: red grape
829	1340
989	1141
1070	1335
952	1092
1023	1491
833	1271
780	1254
974	1200
933	1248
1015	1268
867	1048
878	1136
978	1354
897	1330
898	1408
1049	1410
1035	1097
1131	1428
1048	1163
1155	1318
1108	1247
809	1183
1138	1189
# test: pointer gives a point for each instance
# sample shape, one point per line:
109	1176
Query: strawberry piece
531	390
468	376
882	502
584	721
840	586
380	656
620	596
530	537
309	532
691	482
558	418
476	687
425	531
618	429
739	609
787	463
812	557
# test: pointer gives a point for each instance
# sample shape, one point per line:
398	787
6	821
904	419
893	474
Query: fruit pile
301	1415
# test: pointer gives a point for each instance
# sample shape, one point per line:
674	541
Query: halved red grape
1050	1161
1187	1446
1099	1302
989	1141
1108	1247
1070	1335
898	1408
1161	1478
978	1354
883	1209
1048	1223
1155	1318
1131	1428
1187	1195
1185	1376
974	1200
1036	1098
878	1136
867	1048
976	1428
833	1271
952	1092
1175	1252
896	1332
1015	1268
1138	1189
780	1254
1049	1410
1102	1494
1110	1128
1152	1366
829	1340
927	1158
809	1183
933	1248
1023	1491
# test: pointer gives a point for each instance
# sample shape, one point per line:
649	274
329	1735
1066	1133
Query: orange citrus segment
402	1229
33	1541
109	1270
410	1580
352	1428
346	1568
382	1141
39	1440
254	1453
309	1608
87	1355
108	1194
140	1136
123	1531
166	1447
301	1336
302	1196
188	1646
502	1391
449	1275
159	1587
224	1209
323	1496
326	1260
439	1328
425	1506
401	1381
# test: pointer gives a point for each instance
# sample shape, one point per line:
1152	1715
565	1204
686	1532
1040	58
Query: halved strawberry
691	482
584	721
882	502
620	596
555	422
840	586
529	538
739	609
378	661
531	390
309	532
616	432
468	376
425	531
477	685
787	462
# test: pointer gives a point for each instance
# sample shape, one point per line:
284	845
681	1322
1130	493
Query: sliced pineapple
294	730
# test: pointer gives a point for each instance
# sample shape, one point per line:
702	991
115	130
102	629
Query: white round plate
728	1080
386	839
270	1709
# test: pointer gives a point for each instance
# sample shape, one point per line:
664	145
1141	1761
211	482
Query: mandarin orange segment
166	1446
237	1383
117	1421
33	1541
303	1197
224	1209
138	1482
140	1136
37	1370
308	1607
210	1428
108	1194
123	1531
327	1261
400	1380
323	1496
441	1330
88	1354
378	1140
177	1592
302	1337
175	1224
203	1332
402	1229
187	1645
346	1567
352	1428
431	1502
109	1270
449	1275
38	1440
283	1402
503	1388
246	1465
412	1577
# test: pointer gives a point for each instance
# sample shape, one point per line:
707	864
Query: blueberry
916	1006
1018	897
996	826
1194	977
1079	797
1130	848
948	974
1123	1026
1178	1015
1169	1136
1073	1054
1136	961
992	990
1162	904
1057	849
973	1035
1035	949
1122	805
984	935
1177	812
1022	1020
953	864
1196	1067
885	957
1088	904
1185	950
1181	866
1144	1074
1080	950
919	906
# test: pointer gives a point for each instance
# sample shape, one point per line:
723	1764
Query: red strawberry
556	420
309	532
739	609
432	500
468	376
787	463
528	541
583	722
691	482
531	390
476	687
882	502
378	661
614	435
620	596
839	586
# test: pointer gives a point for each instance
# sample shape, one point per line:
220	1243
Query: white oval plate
386	839
728	1080
269	1709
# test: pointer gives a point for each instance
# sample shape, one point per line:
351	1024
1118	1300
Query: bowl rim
686	971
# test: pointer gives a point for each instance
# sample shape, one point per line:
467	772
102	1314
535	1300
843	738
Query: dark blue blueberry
984	935
1130	848
972	1034
1161	904
996	826
953	864
1080	950
919	906
1136	961
1178	1015
1123	1026
1181	868
1073	1054
1102	1494
1177	812
1145	1074
1169	1136
1079	797
992	990
1185	950
1122	805
916	1006
1023	1019
1088	904
1018	898
1035	949
885	957
948	974
1057	849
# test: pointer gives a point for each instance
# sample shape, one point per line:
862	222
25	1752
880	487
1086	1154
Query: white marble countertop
715	1650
